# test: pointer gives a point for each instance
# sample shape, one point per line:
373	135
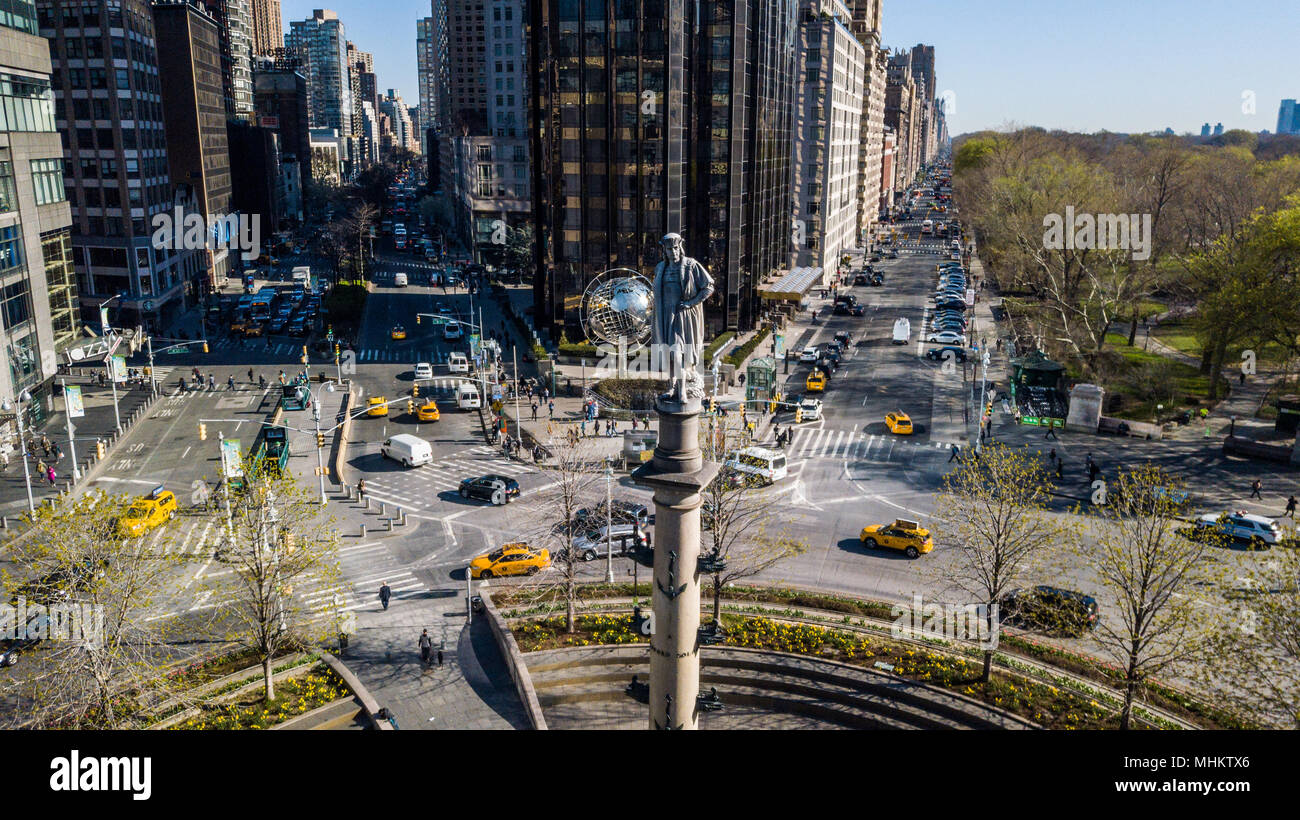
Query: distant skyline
1110	65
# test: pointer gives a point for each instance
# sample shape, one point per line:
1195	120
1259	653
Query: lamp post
17	407
609	525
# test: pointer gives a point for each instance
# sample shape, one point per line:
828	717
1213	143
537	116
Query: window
21	15
11	243
17	303
26	104
8	193
47	180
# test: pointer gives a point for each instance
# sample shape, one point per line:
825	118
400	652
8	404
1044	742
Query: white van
411	451
301	273
467	397
457	363
902	331
399	280
769	465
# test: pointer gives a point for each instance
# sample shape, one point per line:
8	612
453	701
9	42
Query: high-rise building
903	114
234	27
828	123
320	45
1218	129
1288	118
431	66
268	27
923	69
655	117
38	288
871	199
280	99
404	133
194	114
1205	130
116	161
361	80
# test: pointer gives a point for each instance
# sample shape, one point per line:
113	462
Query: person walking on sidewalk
384	594
1255	488
49	474
426	647
550	408
534	411
250	375
1290	507
440	657
361	489
1051	457
1051	430
956	454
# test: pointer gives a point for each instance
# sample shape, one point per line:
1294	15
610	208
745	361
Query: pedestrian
583	434
1290	507
261	381
361	490
1254	489
49	473
58	453
230	383
534	411
212	382
40	466
1243	377
384	594
1051	430
282	379
250	375
956	454
440	656
550	408
426	647
1052	456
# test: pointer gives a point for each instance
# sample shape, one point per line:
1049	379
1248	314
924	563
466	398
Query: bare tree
1152	572
1253	662
91	591
997	523
283	557
742	531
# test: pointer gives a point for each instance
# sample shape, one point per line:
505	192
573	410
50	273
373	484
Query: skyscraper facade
871	201
1288	118
109	107
234	27
38	288
651	116
268	27
320	45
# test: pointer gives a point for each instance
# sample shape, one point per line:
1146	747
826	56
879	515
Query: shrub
631	394
737	357
579	350
716	345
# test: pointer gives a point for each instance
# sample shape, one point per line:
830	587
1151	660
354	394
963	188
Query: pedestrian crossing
238	343
857	445
390	355
414	488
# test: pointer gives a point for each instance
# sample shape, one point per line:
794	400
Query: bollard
388	525
383	508
4	522
367	502
51	500
363	530
403	519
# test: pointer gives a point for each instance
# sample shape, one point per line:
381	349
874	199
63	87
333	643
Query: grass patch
1143	380
1179	335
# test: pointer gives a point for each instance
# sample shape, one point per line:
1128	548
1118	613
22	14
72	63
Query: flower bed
295	696
1048	706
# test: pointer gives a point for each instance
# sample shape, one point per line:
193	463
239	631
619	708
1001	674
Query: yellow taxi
511	559
899	423
907	536
146	513
398	333
427	411
816	382
377	406
252	329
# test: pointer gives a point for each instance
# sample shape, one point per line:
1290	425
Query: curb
515	662
368	702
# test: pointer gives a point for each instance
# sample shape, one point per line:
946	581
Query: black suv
1055	610
497	489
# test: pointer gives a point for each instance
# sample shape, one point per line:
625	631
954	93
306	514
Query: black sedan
938	354
497	489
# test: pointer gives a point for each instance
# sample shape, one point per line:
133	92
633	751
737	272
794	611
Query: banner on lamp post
232	462
75	404
119	369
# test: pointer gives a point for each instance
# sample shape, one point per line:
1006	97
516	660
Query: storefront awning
792	286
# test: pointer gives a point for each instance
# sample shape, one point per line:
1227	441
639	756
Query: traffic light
203	432
304	354
798	415
99	449
415	390
410	407
417	319
205	347
337	350
320	439
713	404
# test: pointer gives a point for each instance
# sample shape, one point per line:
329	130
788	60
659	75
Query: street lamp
22	442
609	525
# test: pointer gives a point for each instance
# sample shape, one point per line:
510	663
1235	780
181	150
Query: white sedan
423	371
947	337
809	354
812	409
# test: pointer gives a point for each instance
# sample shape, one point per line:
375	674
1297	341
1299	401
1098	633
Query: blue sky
1119	65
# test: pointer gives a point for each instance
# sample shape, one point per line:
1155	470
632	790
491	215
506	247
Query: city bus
260	306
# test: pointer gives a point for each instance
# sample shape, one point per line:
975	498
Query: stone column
677	474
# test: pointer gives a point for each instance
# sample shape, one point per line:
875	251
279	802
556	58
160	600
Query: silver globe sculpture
618	309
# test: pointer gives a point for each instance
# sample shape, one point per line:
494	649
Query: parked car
623	512
938	354
1060	611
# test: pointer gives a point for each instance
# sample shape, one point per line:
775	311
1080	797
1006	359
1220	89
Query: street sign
72	396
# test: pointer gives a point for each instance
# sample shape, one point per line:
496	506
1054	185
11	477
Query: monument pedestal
677	474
